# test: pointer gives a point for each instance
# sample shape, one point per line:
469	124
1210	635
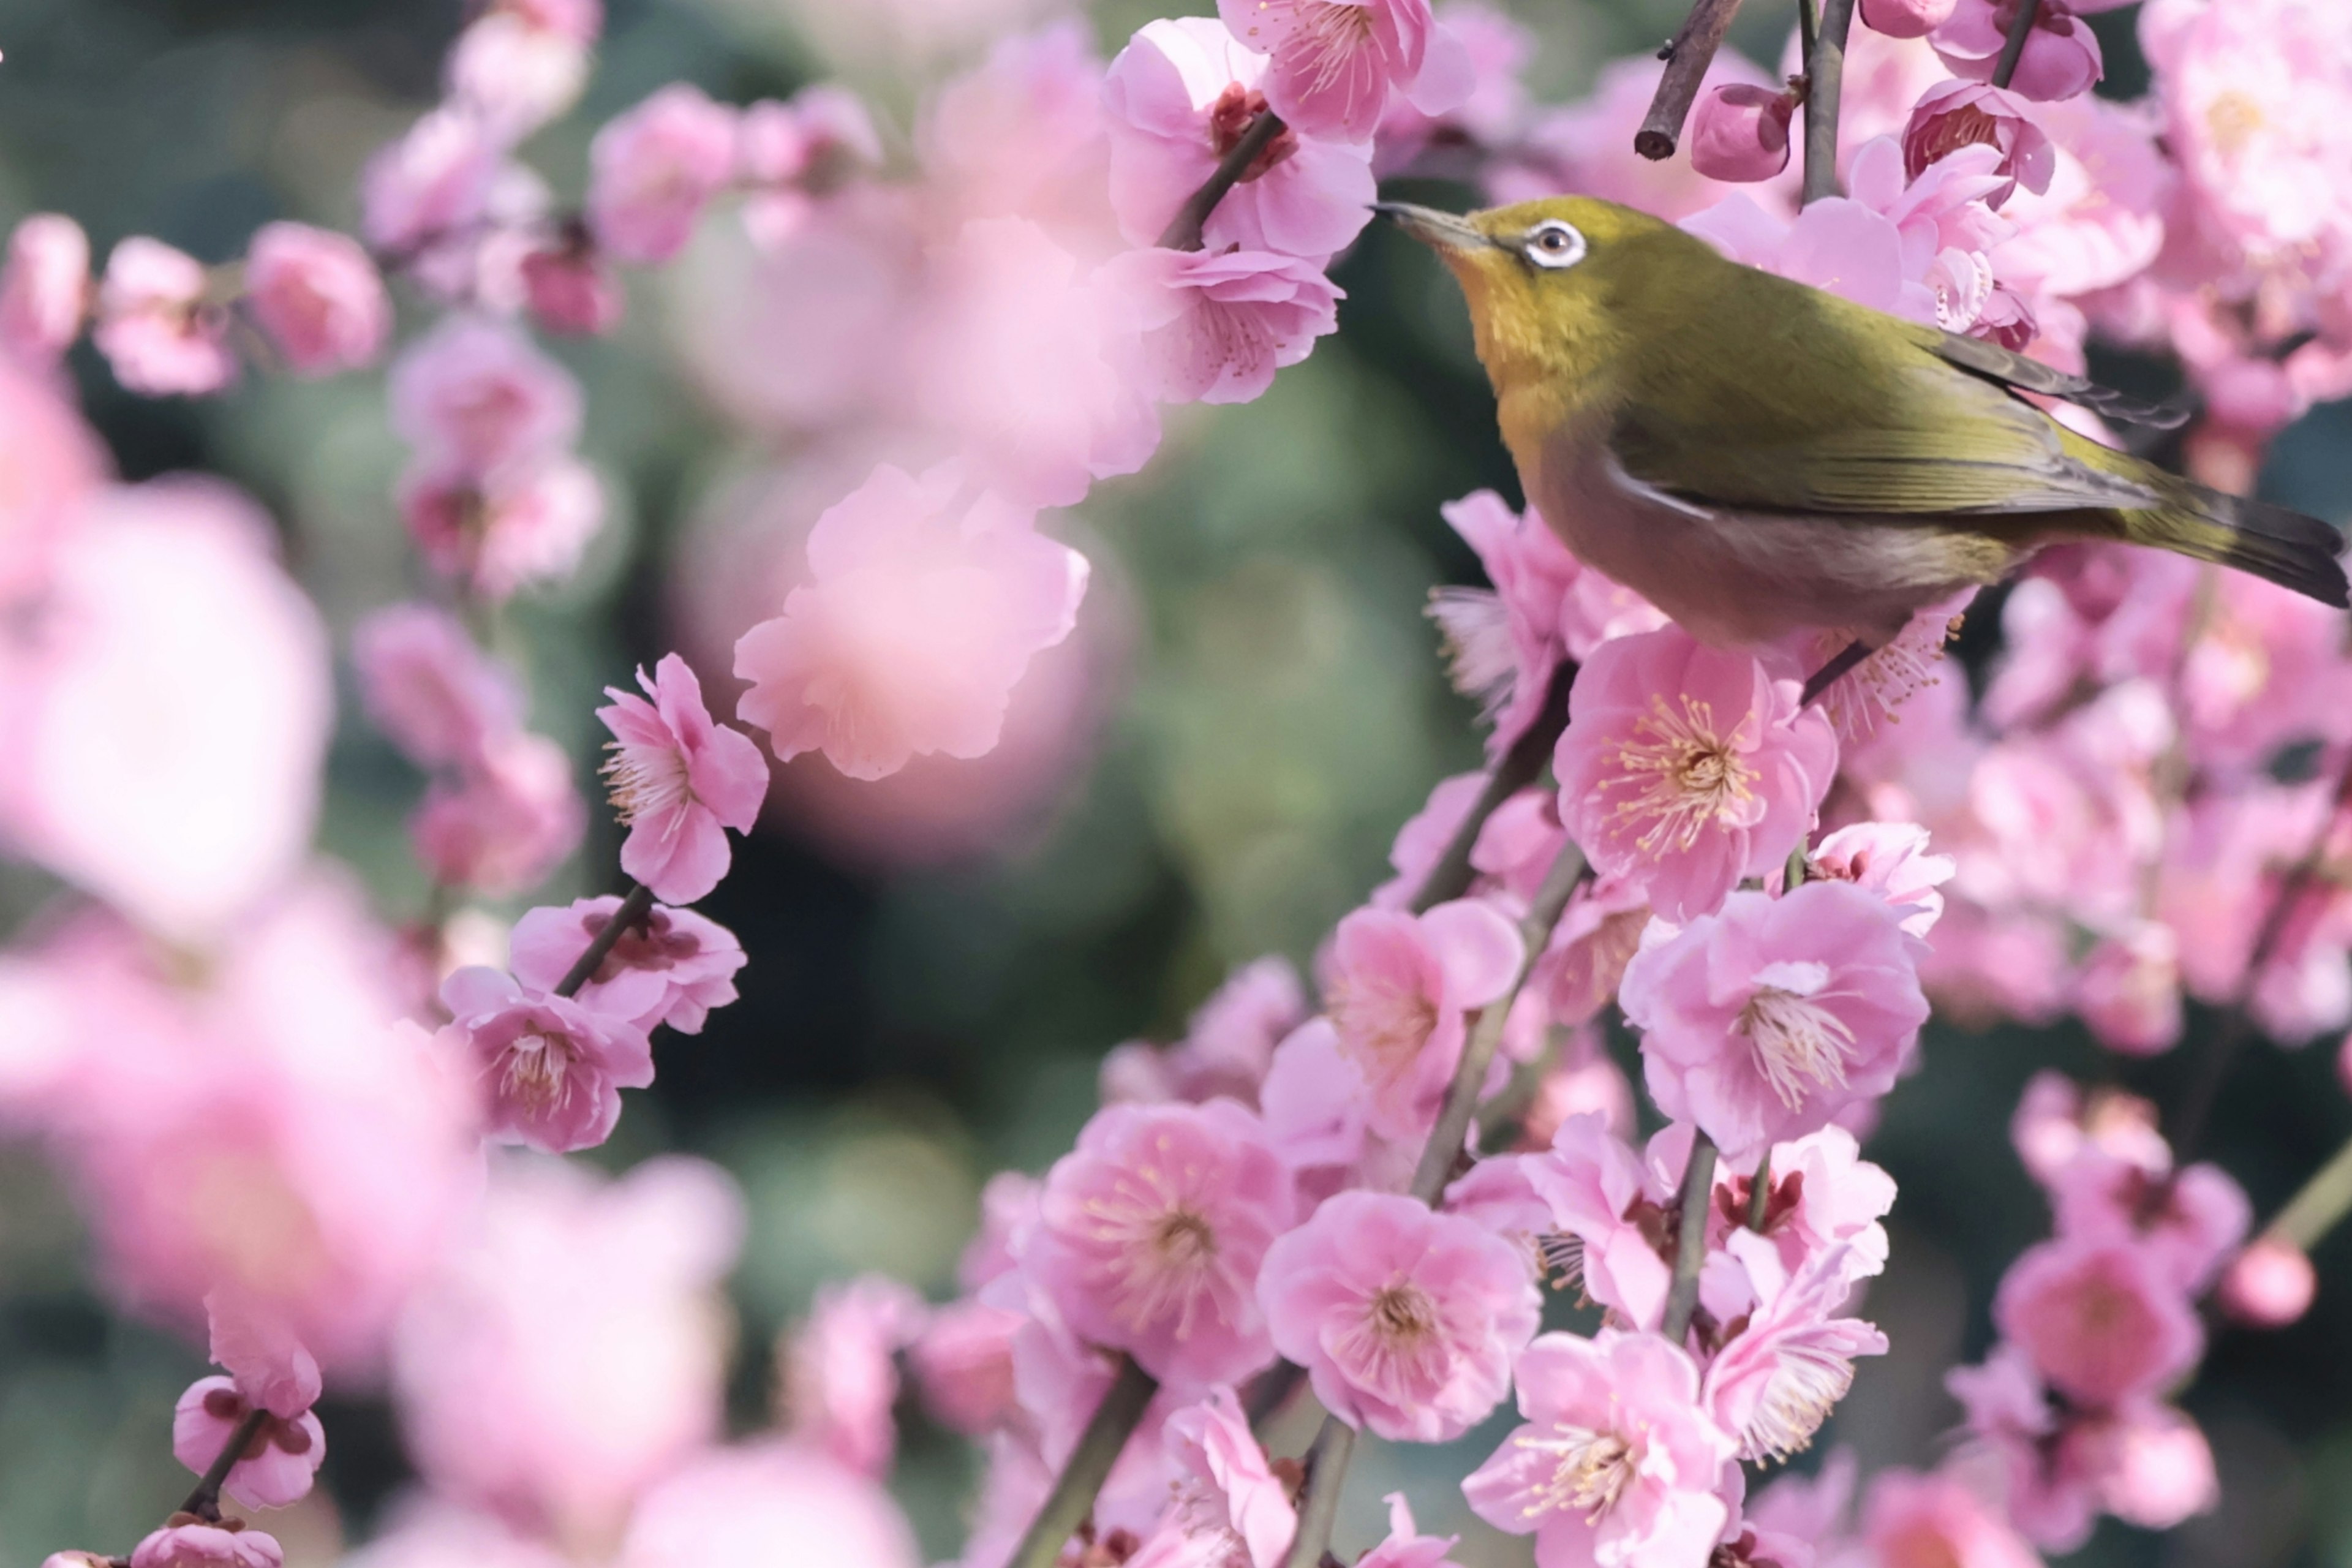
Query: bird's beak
1441	231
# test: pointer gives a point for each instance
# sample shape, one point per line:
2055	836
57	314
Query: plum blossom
672	968
1217	325
1912	1518
2061	59
429	687
792	154
1740	133
318	296
1230	1510
1587	1208
1617	1463
44	287
1397	987
1176	100
963	1364
1761	1023
520	63
1407	1322
923	610
1684	768
655	168
1333	63
1775	1380
2269	1285
498	532
571	287
552	1070
1404	1546
425	191
1905	19
1956	115
2187	1220
503	822
1151	1233
156	327
1891	859
473	396
678	780
278	1462
2100	1318
187	1542
1228	1045
837	1380
746	1503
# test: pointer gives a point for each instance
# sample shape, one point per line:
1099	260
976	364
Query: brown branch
1318	1496
204	1501
1073	1497
1690	1241
2012	47
1183	230
632	912
1824	84
1687	57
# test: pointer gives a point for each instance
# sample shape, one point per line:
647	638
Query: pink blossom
2100	1318
278	1460
964	1363
1406	1321
672	968
752	1503
1317	1110
1587	1208
430	187
1763	1022
193	1543
269	1364
1228	1043
1910	1517
2061	59
1176	100
45	290
521	64
1584	1081
678	780
503	823
1217	325
1684	768
571	289
837	1379
1956	115
1905	19
1334	62
573	1347
430	688
166	600
156	327
1826	1198
2269	1285
473	396
1397	987
654	169
1891	859
1405	1546
1151	1233
1836	243
1740	133
552	1070
2128	989
2053	1126
1491	118
922	611
1229	1507
527	523
2187	1220
2155	1468
317	295
1617	1463
1781	1375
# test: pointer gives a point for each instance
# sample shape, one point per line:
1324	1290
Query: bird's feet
1842	663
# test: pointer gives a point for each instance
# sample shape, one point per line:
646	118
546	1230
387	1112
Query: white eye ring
1553	245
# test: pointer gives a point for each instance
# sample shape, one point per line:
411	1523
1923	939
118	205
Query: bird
1757	456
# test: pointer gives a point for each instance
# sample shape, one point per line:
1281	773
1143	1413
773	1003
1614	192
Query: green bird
1757	456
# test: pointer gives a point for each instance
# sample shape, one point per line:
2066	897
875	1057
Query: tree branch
1450	878
1073	1497
1690	1240
204	1501
2318	1205
1183	230
2012	47
632	912
1824	83
1318	1498
1687	57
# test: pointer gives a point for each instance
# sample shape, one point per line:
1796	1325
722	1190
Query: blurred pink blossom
750	1504
1617	1462
1398	986
1228	1043
2100	1318
429	687
197	1544
1407	1322
1491	117
655	168
527	523
1740	133
429	190
155	326
474	396
964	1363
923	609
1216	325
1022	135
1229	1509
1762	1022
2269	1285
678	780
573	1347
1684	768
316	294
1177	99
792	154
1910	1517
1905	19
836	1375
2189	1220
673	969
49	463
1151	1231
504	822
279	1459
1959	114
520	63
1334	62
552	1070
266	1359
571	289
45	290
2061	59
2128	989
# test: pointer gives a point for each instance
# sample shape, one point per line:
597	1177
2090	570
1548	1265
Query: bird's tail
2274	544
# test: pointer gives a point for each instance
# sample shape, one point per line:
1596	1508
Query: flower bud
571	289
2269	1285
1741	132
1905	19
318	296
2061	56
46	290
1956	114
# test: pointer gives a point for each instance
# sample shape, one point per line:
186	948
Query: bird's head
1542	277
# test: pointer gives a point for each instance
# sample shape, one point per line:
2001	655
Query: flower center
537	1070
1384	1022
1801	1046
1590	1471
1397	1348
645	781
1806	1384
1234	113
1334	37
1163	1257
1687	774
2231	120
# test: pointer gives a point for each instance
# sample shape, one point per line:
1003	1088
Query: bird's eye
1553	244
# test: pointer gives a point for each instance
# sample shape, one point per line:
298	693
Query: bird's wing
2014	369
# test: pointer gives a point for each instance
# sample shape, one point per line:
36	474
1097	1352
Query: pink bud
2061	56
1905	19
2269	1285
46	290
317	295
1956	114
155	326
571	289
1742	132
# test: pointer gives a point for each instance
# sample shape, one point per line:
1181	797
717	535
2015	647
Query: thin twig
2318	1205
1318	1498
632	912
1824	84
204	1501
1688	57
1690	1240
1759	1192
2012	47
1451	877
1073	1497
1183	230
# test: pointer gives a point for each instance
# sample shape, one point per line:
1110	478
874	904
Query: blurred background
1210	770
